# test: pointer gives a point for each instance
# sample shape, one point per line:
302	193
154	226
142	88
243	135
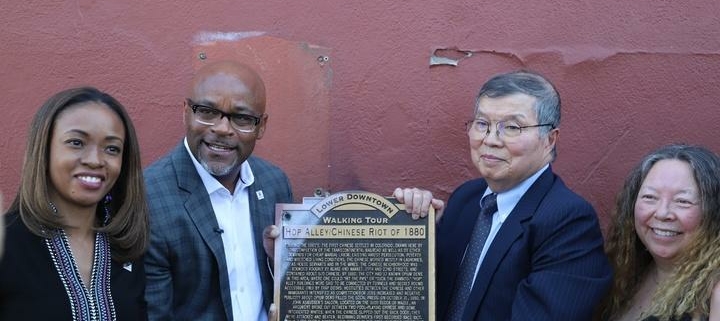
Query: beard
218	169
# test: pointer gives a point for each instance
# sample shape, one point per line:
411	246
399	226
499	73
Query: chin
218	169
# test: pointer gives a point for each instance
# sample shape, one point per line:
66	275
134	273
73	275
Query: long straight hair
128	226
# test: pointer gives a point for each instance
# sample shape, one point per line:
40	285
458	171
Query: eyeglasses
209	116
504	129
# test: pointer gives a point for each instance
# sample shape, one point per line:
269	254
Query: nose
223	125
492	136
664	211
93	157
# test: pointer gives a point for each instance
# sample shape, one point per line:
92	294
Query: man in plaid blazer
210	201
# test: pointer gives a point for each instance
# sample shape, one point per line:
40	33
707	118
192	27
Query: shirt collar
212	185
507	200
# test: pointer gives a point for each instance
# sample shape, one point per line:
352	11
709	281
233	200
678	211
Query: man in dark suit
210	201
516	244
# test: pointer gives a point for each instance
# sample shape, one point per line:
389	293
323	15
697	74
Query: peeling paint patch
448	56
570	55
206	37
451	56
581	53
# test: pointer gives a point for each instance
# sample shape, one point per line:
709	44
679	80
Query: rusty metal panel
298	79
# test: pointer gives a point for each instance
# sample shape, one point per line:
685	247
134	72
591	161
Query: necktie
464	280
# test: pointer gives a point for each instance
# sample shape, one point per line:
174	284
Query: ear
186	112
552	138
261	126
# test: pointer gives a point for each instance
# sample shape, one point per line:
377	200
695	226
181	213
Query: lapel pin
260	195
128	266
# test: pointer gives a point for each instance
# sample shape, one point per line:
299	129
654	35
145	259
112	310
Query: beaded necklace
86	304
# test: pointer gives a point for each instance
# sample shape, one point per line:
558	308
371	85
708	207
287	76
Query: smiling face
86	150
667	209
220	148
504	162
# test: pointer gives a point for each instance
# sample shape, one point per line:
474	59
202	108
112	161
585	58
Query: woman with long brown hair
77	229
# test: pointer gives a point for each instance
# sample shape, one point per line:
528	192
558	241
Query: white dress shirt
232	212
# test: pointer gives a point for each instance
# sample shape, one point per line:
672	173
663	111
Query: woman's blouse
39	280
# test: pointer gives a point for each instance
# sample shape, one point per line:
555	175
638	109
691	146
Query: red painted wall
633	75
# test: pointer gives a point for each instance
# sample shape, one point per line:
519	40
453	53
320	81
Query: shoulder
164	164
560	197
561	209
467	194
14	227
157	166
715	301
264	170
172	171
716	291
549	193
468	189
270	178
263	165
20	243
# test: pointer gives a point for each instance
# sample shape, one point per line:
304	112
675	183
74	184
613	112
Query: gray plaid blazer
185	264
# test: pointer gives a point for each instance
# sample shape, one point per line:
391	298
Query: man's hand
418	201
269	235
273	313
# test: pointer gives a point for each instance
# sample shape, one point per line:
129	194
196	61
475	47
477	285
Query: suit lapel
200	211
510	231
259	207
198	204
257	210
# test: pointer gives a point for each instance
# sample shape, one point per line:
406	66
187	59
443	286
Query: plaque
354	255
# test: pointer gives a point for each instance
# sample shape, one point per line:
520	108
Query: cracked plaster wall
633	75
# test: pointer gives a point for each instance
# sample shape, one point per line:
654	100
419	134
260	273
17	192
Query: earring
53	208
106	202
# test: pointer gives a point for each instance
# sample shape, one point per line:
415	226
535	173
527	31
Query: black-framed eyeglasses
209	116
502	128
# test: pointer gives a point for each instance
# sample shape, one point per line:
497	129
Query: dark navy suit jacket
546	262
187	276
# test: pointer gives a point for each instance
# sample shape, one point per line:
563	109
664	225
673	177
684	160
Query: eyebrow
507	117
85	134
235	108
682	191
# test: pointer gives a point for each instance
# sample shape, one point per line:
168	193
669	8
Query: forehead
223	88
671	173
519	106
221	83
90	117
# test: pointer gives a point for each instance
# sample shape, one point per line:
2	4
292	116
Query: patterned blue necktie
466	274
